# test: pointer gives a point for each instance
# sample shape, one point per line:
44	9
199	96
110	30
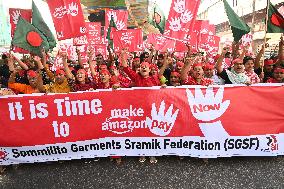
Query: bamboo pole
266	21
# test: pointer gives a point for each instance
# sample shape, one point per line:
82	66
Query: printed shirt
204	81
141	81
253	77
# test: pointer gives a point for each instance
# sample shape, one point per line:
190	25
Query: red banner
94	32
120	18
236	120
131	39
14	17
68	19
181	18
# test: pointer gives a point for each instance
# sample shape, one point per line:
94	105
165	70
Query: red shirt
204	81
123	81
272	80
141	81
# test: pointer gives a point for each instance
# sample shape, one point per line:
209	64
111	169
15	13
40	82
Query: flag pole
266	21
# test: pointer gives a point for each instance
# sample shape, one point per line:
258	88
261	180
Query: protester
249	71
197	76
277	76
234	76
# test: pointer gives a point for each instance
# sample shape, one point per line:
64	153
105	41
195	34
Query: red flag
68	18
70	49
14	17
120	18
210	43
181	18
130	39
101	49
160	42
94	32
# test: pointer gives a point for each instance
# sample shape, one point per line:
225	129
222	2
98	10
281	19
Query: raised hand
161	122
207	107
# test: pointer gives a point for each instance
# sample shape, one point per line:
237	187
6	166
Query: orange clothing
22	88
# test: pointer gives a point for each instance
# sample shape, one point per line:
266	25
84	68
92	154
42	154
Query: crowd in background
32	74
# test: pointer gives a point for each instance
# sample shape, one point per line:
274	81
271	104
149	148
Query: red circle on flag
34	39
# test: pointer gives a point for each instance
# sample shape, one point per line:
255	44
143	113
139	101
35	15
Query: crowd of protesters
32	74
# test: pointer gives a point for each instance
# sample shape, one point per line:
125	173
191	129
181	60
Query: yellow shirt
57	88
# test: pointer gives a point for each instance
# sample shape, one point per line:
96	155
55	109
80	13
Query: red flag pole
266	21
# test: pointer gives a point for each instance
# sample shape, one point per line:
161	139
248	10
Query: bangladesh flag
39	23
157	18
238	26
275	23
28	37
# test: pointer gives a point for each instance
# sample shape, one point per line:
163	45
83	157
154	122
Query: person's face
59	78
101	68
279	76
100	59
174	80
160	62
179	68
249	65
136	62
32	81
105	77
153	71
80	76
239	67
144	71
112	71
137	69
268	68
198	72
209	73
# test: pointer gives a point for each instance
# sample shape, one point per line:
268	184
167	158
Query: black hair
247	58
4	56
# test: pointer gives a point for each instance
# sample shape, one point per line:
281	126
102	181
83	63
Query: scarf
237	78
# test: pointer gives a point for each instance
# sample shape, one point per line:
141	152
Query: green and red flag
38	22
275	22
238	26
28	37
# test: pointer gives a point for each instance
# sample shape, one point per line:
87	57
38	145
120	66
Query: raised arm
12	77
186	68
258	58
92	63
79	58
220	60
65	65
244	51
167	61
21	63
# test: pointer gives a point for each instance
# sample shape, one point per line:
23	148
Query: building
5	39
213	10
